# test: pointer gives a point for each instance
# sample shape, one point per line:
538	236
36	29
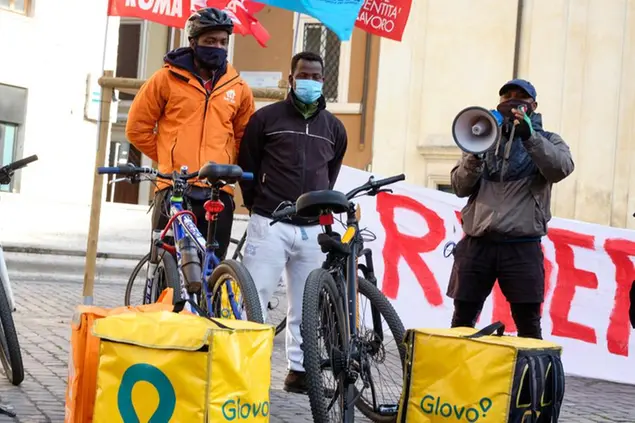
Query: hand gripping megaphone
475	129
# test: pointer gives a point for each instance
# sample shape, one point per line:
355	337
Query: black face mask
505	108
212	58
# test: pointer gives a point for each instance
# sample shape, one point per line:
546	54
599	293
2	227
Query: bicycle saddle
314	203
215	172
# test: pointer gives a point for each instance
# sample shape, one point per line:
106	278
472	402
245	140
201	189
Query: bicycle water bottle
190	264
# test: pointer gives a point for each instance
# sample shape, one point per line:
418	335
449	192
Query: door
122	153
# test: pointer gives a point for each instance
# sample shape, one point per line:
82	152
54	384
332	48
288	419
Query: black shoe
295	382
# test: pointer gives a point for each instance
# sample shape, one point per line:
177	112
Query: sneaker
295	382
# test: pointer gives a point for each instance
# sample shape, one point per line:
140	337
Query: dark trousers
519	268
195	201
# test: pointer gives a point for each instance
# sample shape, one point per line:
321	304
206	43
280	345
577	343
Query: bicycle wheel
10	354
325	345
166	275
277	307
380	402
233	293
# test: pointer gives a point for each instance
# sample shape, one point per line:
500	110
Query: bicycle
216	286
277	307
10	354
331	293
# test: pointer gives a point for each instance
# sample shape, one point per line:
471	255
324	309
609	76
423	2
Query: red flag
385	19
242	13
175	13
166	12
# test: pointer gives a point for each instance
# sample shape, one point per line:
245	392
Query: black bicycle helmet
208	19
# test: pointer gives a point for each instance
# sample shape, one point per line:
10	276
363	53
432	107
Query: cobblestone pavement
44	310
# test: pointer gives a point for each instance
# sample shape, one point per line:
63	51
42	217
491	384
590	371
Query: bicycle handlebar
7	171
19	164
372	187
136	170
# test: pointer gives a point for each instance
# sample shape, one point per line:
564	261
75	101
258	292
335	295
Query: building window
445	188
130	51
315	37
320	40
18	6
12	118
8	138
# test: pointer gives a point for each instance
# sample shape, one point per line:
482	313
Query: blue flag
337	15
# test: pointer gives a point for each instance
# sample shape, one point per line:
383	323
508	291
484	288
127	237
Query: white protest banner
589	271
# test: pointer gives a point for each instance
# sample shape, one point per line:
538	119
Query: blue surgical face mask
308	91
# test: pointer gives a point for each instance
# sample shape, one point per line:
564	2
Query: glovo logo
435	405
144	372
235	409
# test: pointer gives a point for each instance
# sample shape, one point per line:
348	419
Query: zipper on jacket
207	97
221	86
302	179
264	176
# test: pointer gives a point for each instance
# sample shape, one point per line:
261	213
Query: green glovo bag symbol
143	372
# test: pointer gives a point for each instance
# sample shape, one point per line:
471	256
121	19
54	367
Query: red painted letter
568	279
409	247
619	330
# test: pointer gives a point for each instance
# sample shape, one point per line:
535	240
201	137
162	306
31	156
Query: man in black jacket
292	147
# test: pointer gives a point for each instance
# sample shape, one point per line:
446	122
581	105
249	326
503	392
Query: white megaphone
475	129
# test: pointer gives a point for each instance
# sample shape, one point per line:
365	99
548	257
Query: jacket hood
182	57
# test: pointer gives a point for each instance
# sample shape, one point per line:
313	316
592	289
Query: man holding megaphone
508	166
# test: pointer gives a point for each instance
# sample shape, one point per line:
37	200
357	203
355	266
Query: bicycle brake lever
114	181
388	190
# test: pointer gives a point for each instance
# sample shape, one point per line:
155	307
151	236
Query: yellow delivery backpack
182	368
465	375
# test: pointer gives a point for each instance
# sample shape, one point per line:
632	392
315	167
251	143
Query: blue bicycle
221	289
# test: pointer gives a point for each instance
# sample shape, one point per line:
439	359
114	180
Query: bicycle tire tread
238	256
16	375
316	280
388	312
246	284
171	272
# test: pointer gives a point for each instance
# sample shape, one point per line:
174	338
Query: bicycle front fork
368	270
153	264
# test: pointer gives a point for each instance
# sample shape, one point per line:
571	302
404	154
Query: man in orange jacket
192	111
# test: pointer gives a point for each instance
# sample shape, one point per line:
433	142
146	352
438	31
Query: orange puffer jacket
192	125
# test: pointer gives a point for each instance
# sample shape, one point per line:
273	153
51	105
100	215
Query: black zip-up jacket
289	155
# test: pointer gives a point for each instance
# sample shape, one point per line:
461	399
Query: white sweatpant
269	250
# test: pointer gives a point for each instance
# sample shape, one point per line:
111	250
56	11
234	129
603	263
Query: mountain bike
221	288
331	312
277	307
10	354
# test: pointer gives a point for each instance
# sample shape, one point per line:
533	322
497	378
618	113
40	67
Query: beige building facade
580	55
396	99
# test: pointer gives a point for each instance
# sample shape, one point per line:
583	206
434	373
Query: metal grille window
320	40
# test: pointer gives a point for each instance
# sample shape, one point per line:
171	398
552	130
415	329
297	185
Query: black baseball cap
524	85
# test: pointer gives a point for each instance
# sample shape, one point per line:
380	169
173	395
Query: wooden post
98	188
